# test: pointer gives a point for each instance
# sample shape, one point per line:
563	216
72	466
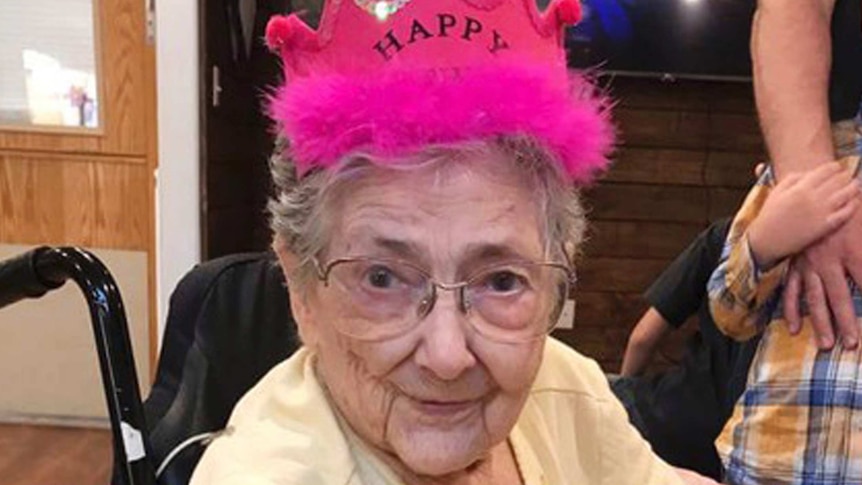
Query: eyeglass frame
323	271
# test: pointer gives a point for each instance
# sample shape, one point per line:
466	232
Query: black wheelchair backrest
229	322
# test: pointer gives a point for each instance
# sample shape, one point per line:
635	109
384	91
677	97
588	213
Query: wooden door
90	187
237	140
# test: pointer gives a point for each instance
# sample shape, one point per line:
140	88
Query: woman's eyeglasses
507	302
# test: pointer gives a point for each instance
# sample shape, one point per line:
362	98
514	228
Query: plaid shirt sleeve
741	295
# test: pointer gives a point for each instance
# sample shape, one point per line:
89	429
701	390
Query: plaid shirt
799	420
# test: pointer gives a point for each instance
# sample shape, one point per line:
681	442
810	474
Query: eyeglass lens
508	302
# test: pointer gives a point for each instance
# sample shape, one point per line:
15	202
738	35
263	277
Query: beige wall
49	368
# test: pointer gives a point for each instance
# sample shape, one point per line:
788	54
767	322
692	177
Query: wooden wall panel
687	157
658	166
663	129
639	240
730	169
47	201
594	342
603	308
622	275
30	201
647	202
734	131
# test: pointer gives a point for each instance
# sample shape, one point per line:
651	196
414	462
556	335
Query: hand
802	208
821	270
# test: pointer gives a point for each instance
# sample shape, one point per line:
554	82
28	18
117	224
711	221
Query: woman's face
438	397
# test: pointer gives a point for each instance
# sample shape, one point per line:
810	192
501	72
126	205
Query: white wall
177	192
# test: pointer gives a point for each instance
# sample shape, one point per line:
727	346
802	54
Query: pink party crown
389	76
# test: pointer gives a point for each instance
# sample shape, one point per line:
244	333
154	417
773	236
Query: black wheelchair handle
33	274
20	279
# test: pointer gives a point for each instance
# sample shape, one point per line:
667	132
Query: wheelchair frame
37	272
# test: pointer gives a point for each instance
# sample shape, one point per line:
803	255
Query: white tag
133	442
567	316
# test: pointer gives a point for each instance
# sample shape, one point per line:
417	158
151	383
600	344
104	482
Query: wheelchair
228	323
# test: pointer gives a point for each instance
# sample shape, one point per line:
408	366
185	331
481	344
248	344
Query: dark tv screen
677	38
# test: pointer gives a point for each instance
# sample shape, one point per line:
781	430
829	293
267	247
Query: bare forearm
643	342
791	53
636	359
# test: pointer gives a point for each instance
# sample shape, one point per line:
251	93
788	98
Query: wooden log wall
687	157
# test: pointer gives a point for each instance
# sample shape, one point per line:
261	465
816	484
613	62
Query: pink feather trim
388	116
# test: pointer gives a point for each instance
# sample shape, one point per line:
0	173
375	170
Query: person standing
808	84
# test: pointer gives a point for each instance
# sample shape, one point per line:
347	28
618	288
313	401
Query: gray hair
300	220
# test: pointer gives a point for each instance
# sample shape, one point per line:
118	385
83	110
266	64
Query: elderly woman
425	219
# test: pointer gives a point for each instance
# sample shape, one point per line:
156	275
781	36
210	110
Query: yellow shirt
572	430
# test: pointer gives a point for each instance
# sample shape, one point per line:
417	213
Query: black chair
229	322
